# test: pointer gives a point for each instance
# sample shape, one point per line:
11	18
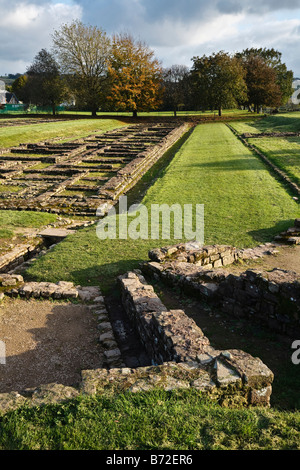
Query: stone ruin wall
123	156
175	343
182	357
271	298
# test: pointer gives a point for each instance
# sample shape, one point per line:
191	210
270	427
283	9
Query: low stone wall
161	331
131	173
271	298
19	254
247	384
212	256
171	336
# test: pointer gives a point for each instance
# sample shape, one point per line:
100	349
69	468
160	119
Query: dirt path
46	342
287	258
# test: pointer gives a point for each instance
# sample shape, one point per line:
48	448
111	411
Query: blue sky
177	30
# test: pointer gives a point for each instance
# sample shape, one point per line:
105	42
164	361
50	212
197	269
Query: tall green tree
135	76
83	53
44	84
21	89
176	86
218	81
271	74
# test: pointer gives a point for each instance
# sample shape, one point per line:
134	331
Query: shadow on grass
266	234
277	123
105	275
244	163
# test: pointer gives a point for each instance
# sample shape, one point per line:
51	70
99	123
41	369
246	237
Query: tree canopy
83	53
176	86
121	73
268	80
135	75
218	81
44	84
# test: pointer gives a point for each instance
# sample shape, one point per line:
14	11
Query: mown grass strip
284	153
287	122
65	130
25	219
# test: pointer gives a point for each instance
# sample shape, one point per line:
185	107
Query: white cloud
27	29
233	33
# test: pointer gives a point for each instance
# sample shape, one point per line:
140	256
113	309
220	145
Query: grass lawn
178	420
287	122
12	221
244	206
284	153
65	130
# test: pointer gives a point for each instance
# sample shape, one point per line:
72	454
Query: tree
175	79
270	73
20	88
44	85
83	53
218	81
263	89
135	76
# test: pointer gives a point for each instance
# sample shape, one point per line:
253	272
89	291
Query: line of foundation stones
130	174
126	178
295	188
214	256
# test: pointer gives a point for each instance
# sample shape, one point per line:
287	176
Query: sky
177	30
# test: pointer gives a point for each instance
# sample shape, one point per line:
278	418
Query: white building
296	86
7	97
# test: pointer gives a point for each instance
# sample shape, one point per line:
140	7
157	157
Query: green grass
66	130
9	188
157	420
25	219
10	221
284	153
287	122
244	206
6	233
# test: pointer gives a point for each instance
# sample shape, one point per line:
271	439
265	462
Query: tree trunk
220	111
53	109
134	113
94	112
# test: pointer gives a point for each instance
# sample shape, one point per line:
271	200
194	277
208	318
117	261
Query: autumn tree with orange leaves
135	76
